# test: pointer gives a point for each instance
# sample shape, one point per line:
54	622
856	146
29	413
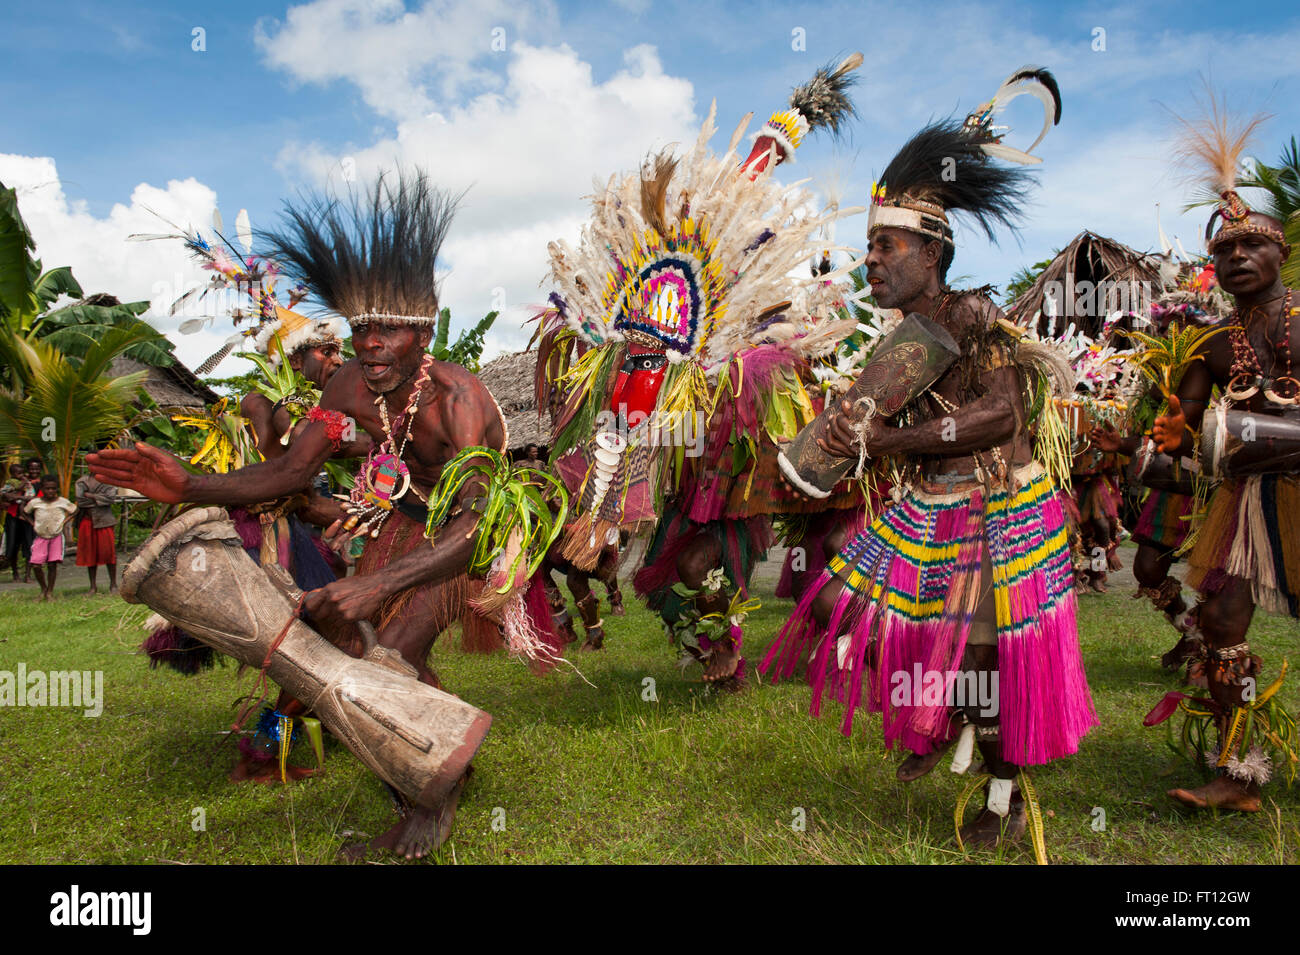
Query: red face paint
637	386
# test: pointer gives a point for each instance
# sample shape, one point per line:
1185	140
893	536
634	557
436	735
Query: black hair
50	479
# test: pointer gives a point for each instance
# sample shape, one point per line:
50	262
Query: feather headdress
821	103
1213	144
372	258
951	166
697	266
272	328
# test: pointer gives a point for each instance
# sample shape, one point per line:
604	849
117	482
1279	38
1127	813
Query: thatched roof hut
1068	289
510	378
174	388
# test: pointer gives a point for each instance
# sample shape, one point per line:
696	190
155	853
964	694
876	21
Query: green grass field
578	773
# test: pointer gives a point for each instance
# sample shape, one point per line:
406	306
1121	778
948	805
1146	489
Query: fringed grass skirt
1252	530
1165	520
912	582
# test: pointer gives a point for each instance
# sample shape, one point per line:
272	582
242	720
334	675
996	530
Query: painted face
389	354
896	267
637	387
318	363
1248	263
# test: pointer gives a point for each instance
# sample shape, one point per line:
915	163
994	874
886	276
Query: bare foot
723	662
567	633
1099	585
421	832
989	828
616	604
266	772
1180	653
595	639
917	765
1223	792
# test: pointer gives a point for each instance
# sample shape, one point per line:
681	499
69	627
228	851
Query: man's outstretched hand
1168	430
150	471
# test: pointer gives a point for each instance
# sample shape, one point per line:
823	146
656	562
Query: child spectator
50	512
95	542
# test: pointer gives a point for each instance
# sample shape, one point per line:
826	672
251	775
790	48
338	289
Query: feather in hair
945	163
1211	145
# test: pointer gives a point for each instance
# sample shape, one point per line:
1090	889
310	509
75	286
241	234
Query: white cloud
526	155
98	250
392	55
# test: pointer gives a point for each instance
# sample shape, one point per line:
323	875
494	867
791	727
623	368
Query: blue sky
108	109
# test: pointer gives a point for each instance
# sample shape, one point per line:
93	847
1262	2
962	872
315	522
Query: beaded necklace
384	477
1246	376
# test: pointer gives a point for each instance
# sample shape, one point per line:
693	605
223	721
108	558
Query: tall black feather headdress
372	258
952	166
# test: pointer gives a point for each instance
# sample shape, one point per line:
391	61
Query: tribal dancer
296	356
966	582
692	346
374	260
1165	517
1247	553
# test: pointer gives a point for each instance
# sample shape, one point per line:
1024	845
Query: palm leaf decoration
513	502
282	384
227	442
1165	359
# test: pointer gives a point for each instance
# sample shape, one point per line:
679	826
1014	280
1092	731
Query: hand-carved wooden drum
910	359
195	573
1238	443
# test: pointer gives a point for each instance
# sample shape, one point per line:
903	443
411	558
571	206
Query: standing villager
96	544
680	342
18	529
953	614
373	260
1246	554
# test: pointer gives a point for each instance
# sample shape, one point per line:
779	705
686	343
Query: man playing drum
1246	554
418	412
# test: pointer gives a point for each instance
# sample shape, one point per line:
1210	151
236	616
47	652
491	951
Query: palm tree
28	296
1281	184
65	406
56	393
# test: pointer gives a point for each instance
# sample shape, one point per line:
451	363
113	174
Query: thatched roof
1088	258
172	388
510	378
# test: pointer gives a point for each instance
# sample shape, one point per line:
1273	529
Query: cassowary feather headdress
951	166
372	258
